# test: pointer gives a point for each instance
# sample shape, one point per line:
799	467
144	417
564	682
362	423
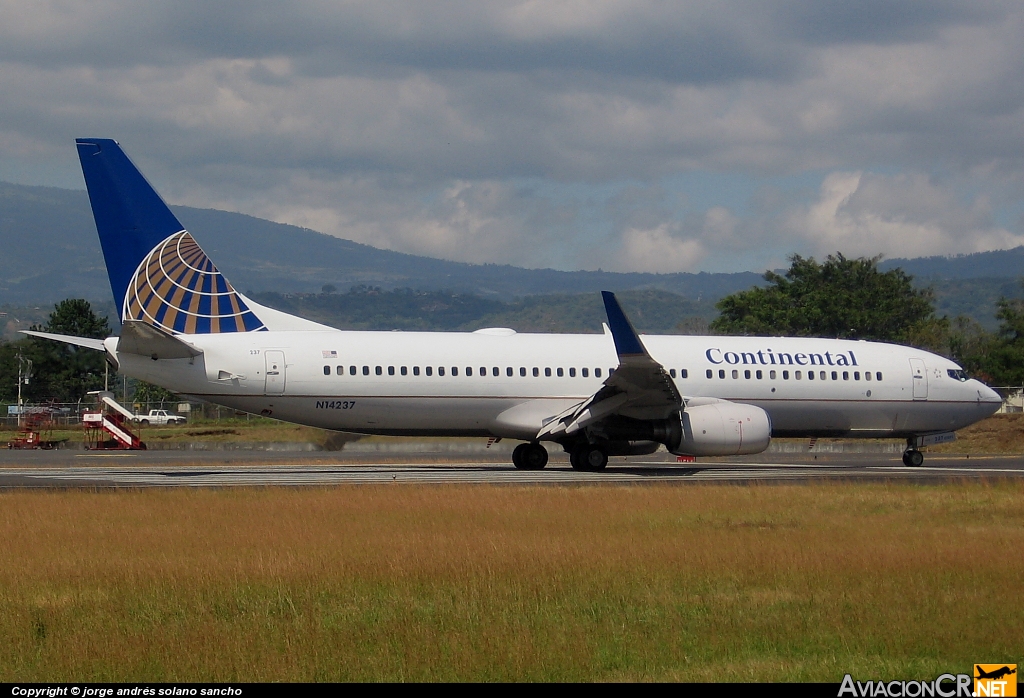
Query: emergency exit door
275	372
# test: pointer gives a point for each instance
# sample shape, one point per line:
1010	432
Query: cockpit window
957	373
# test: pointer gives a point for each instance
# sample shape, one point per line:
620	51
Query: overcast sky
628	136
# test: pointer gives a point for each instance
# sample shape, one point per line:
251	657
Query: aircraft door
920	379
275	372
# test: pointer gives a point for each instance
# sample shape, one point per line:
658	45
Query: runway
177	469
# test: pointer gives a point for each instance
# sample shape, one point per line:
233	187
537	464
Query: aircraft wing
639	388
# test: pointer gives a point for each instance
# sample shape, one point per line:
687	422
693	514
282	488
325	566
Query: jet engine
722	428
706	427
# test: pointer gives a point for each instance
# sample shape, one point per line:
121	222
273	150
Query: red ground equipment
109	427
34	432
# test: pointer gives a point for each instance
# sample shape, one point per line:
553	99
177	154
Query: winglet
627	343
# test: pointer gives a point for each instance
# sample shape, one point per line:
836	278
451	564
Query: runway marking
971	470
468	473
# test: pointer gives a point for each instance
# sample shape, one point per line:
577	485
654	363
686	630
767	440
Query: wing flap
639	388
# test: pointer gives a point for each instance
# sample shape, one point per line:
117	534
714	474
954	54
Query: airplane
185	328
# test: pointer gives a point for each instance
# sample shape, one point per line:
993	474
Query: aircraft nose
988	396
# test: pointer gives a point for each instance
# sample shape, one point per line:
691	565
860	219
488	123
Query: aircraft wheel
517	455
588	458
534	457
913	458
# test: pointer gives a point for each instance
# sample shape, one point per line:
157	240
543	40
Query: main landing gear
588	457
530	456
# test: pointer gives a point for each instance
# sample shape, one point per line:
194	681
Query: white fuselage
499	383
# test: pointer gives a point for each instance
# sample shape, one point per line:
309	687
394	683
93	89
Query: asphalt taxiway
71	469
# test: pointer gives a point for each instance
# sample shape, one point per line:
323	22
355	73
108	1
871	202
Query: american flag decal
178	289
330	354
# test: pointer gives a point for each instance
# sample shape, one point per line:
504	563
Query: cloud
905	215
542	133
658	250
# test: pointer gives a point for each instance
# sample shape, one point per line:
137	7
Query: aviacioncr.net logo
945	686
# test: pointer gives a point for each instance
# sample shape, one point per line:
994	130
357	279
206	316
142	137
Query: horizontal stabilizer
87	342
140	338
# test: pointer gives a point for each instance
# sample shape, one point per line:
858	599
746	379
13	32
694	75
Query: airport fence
70	413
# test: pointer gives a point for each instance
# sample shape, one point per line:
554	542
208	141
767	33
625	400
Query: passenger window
867	375
455	370
536	371
415	370
440	370
709	373
391	370
572	372
483	371
835	376
405	370
846	375
378	370
341	370
469	370
547	372
684	373
856	375
672	372
597	373
351	370
522	371
821	375
508	371
429	370
785	375
878	376
327	370
495	371
366	370
721	373
771	375
759	375
586	372
746	374
560	372
735	374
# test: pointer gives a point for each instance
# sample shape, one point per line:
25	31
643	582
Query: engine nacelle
723	428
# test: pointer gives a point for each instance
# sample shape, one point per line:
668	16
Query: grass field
483	583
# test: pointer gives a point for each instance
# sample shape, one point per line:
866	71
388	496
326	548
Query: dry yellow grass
1000	433
501	583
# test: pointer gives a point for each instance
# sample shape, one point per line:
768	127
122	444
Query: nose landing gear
913	458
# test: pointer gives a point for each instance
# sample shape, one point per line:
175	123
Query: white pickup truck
159	417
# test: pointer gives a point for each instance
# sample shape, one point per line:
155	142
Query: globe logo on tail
178	289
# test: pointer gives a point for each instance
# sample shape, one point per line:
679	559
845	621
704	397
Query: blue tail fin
158	273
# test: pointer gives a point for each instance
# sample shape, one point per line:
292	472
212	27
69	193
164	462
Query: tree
841	298
1001	359
61	372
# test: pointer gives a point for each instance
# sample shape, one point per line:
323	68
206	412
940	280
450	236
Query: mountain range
49	251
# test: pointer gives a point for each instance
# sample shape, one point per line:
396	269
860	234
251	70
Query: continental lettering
770	357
